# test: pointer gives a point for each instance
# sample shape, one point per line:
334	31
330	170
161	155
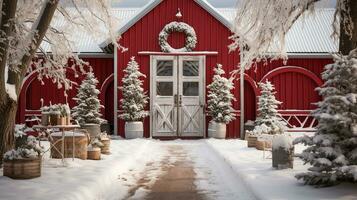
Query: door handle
175	100
180	101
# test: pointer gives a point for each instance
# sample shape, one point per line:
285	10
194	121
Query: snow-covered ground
270	184
104	179
225	169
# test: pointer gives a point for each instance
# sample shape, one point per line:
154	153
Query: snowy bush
88	106
282	141
25	146
220	97
268	121
332	151
134	98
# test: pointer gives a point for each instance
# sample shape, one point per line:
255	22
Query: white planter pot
134	130
93	129
220	132
211	128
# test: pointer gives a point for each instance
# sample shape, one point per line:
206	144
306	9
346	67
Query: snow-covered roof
309	35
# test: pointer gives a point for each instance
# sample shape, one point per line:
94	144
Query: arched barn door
250	102
107	99
295	88
33	91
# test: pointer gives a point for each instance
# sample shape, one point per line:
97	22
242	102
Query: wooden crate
252	140
22	168
93	154
106	146
80	145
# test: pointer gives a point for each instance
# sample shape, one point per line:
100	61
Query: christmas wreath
191	38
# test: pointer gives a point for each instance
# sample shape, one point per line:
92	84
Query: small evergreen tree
332	151
220	97
88	106
268	121
134	98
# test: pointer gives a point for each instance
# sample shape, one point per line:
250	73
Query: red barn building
176	82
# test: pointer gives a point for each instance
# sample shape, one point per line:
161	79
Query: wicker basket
93	154
106	146
252	140
22	168
80	145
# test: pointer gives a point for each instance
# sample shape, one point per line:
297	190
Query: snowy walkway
190	170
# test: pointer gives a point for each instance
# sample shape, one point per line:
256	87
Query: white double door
177	96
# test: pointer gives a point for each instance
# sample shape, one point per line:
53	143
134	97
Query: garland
191	38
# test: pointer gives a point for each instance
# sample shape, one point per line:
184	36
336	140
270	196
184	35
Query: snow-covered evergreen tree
88	106
220	97
268	121
332	151
134	98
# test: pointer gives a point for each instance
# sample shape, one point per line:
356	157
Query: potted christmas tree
87	111
23	162
268	115
134	101
269	122
220	103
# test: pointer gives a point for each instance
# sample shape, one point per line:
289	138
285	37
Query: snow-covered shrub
220	97
134	98
25	146
282	141
268	121
332	151
88	106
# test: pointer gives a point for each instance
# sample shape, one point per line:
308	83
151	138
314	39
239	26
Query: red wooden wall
33	90
295	88
143	36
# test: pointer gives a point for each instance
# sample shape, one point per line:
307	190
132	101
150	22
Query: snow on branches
88	106
40	34
134	98
220	97
260	27
332	151
268	121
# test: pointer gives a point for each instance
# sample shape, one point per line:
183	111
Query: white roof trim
151	5
214	12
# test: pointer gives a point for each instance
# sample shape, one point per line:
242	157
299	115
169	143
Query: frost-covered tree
134	98
220	97
260	27
268	115
88	106
332	151
24	26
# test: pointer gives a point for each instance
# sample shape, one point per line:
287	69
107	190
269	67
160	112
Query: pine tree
88	106
220	97
268	119
134	98
332	151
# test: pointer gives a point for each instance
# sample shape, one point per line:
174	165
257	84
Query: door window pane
190	68
164	68
190	89
164	88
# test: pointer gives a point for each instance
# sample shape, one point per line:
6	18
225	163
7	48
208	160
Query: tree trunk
8	107
349	42
7	122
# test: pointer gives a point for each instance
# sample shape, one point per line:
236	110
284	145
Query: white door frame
178	60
